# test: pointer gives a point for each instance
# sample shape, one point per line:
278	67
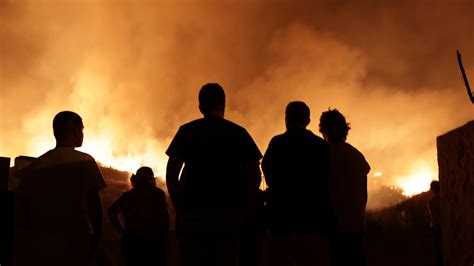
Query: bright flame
130	161
125	146
102	148
418	180
377	173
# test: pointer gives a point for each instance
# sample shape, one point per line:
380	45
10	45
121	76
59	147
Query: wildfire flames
132	70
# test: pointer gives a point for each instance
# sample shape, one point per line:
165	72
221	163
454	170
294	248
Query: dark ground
398	235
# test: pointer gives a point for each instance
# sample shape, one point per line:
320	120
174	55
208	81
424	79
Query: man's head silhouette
297	115
435	187
212	100
67	127
143	178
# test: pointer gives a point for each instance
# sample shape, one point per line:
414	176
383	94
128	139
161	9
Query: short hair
434	186
211	97
143	177
333	124
297	114
65	123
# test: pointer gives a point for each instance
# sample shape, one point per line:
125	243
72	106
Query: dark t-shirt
144	212
296	166
52	227
215	152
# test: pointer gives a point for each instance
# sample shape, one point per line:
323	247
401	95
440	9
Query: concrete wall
456	175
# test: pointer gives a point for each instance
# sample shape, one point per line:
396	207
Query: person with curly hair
348	191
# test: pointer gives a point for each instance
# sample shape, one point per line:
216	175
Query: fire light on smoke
123	145
103	150
418	180
132	71
377	173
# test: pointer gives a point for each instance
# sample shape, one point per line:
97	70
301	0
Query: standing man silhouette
296	166
218	185
348	190
59	209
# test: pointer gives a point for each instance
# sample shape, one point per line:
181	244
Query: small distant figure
296	166
58	215
434	208
348	191
141	216
218	186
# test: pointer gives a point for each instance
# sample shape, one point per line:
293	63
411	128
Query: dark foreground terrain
398	235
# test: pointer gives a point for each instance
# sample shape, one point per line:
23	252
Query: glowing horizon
133	69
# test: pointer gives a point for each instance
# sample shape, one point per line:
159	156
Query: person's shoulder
82	156
193	126
232	128
357	155
279	138
317	139
230	125
60	156
353	149
192	123
124	195
40	160
159	192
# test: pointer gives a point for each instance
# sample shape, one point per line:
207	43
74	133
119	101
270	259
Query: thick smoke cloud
133	70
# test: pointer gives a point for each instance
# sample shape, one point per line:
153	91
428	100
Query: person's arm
95	212
268	162
254	178
113	213
172	179
164	215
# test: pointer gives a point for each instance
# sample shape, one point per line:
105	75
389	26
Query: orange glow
123	145
106	150
378	173
151	156
132	70
418	180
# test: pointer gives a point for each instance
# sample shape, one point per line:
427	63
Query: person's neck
214	114
336	142
295	128
65	145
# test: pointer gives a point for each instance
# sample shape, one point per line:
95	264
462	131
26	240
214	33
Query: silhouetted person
434	208
348	191
59	209
145	227
253	233
218	185
296	166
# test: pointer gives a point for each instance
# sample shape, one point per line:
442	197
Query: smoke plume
132	70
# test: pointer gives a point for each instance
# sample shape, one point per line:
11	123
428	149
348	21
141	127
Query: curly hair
333	125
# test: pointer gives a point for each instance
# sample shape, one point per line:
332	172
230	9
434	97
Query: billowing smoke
133	69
